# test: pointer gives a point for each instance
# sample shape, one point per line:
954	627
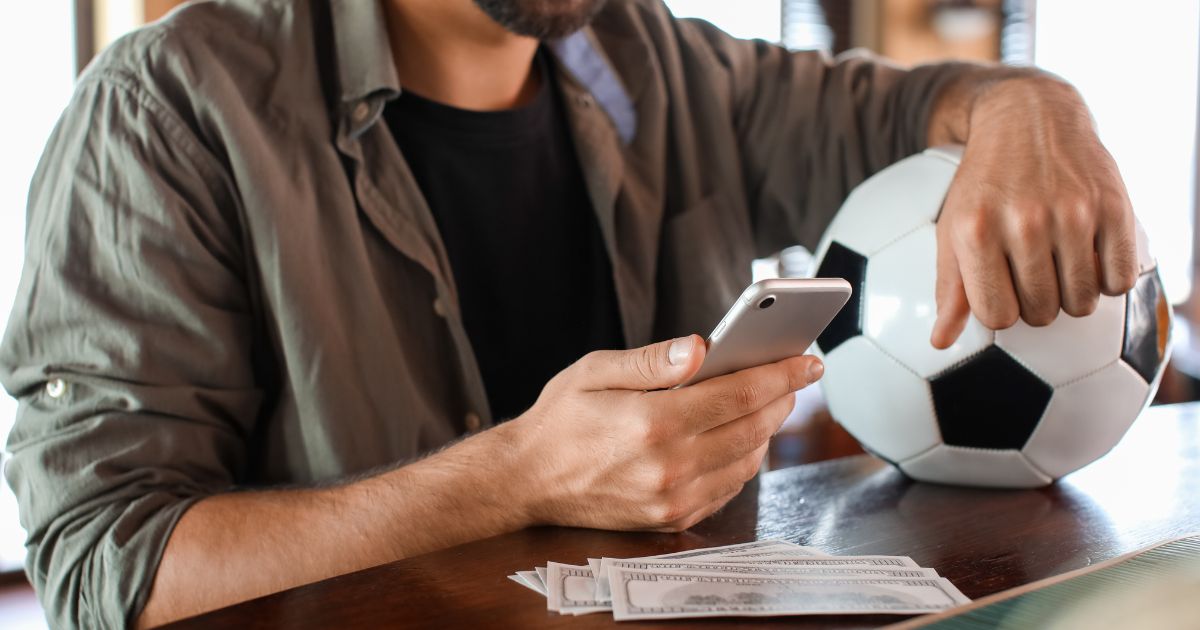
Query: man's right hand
606	446
610	446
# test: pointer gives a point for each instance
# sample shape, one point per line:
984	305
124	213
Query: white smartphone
771	321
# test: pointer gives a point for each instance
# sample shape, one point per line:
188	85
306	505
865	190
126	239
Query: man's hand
1037	217
596	450
615	449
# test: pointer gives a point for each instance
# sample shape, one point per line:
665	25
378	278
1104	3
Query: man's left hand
1037	217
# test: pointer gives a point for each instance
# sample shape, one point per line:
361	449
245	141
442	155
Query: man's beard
542	19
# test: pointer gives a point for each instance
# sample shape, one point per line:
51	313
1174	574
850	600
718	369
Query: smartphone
771	321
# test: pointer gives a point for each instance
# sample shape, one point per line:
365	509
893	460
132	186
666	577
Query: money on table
760	578
759	549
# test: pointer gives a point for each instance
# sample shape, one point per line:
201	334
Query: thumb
951	297
656	366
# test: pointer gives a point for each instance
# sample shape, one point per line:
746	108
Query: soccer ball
1014	408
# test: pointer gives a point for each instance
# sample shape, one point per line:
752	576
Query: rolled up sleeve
128	350
810	128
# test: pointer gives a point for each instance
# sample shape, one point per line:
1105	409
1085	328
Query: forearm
1028	94
233	547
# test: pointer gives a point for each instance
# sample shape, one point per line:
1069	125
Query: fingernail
815	370
681	350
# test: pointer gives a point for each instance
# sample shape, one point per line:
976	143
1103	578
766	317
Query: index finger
720	399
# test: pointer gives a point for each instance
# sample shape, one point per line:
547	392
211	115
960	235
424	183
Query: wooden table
984	541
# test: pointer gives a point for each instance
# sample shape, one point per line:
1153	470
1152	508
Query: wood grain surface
984	541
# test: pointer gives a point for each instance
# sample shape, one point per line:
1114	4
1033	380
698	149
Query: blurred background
1136	64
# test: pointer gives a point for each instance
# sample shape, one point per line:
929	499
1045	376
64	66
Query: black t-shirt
534	280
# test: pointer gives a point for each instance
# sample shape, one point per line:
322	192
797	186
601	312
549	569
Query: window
797	24
749	19
37	62
1136	65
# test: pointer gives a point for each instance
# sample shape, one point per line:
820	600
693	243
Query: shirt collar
366	73
581	55
367	76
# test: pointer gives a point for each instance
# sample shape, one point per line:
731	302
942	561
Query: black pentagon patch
842	262
989	401
1147	322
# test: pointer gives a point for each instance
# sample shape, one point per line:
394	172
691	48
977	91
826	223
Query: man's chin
542	19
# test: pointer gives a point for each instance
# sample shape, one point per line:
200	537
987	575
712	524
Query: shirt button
56	388
361	111
439	307
473	421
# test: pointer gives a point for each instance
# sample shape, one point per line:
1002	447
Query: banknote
761	578
533	580
663	594
570	589
798	561
594	565
768	546
849	569
604	591
519	580
774	552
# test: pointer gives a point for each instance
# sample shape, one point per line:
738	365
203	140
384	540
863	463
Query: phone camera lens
767	302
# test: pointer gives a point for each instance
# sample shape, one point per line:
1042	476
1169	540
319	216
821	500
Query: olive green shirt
232	280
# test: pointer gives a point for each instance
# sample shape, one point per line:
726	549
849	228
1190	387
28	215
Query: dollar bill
777	548
662	594
758	546
604	590
519	580
531	578
570	589
533	581
772	552
805	561
761	578
737	568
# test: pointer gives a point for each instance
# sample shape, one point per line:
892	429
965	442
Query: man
278	251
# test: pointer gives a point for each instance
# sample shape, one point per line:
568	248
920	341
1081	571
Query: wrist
1038	101
506	467
993	94
1027	90
474	489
